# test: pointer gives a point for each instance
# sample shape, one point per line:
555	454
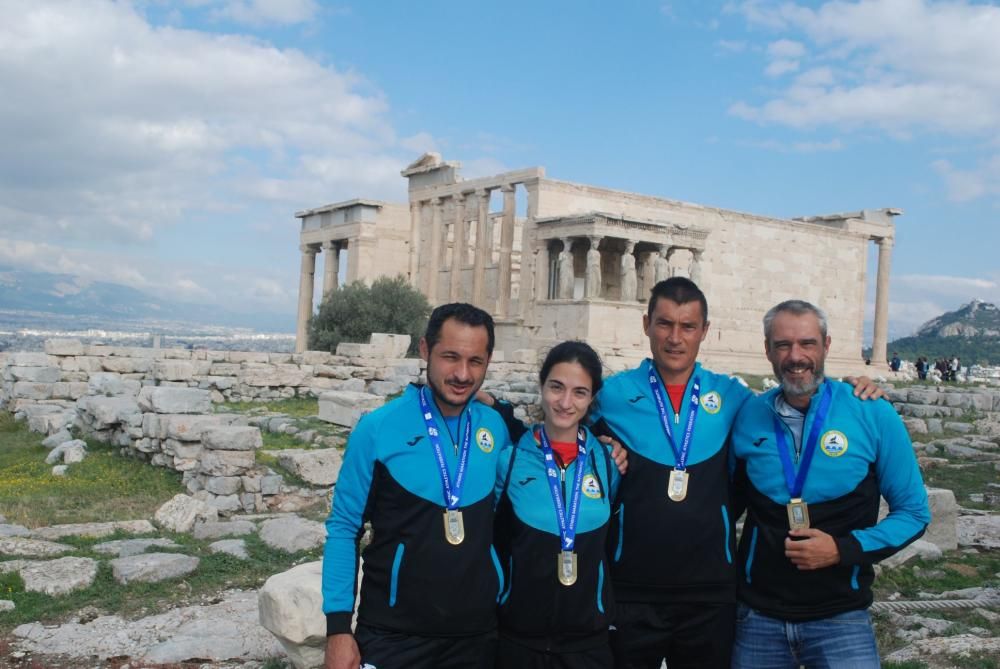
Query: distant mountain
976	318
29	296
971	332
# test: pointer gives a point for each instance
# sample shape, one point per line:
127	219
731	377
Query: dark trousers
383	649
513	655
687	636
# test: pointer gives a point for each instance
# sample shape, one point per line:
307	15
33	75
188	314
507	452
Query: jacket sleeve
344	527
902	487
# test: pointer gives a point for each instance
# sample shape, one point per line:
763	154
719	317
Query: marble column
482	248
432	265
504	271
331	267
662	264
628	278
669	257
566	277
540	280
458	247
305	297
531	270
414	244
593	285
695	271
880	337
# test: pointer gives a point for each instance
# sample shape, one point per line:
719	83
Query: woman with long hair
554	499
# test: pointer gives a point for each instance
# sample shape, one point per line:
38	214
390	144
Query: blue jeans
844	641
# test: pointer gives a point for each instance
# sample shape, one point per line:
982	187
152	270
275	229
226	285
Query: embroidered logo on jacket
413	442
833	443
484	440
590	487
712	402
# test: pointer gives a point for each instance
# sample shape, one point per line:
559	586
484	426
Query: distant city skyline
165	145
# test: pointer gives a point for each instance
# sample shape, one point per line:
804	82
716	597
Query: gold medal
454	527
798	514
566	567
677	488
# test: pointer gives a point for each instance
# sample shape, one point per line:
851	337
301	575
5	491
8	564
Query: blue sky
166	145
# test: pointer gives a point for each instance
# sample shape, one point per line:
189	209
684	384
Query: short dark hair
678	289
578	352
463	313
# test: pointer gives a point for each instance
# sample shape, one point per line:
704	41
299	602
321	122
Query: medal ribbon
796	482
452	493
567	522
680	456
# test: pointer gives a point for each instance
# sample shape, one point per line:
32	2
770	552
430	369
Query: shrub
354	312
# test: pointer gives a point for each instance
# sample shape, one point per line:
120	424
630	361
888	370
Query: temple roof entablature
604	225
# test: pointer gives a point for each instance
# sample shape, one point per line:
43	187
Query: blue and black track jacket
414	582
535	608
864	451
661	550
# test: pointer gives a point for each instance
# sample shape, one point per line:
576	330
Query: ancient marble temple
554	260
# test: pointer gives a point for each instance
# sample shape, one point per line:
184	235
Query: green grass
279	441
958	570
105	486
963	480
300	407
215	572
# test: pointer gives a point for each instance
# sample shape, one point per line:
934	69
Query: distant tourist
809	544
953	368
922	368
895	363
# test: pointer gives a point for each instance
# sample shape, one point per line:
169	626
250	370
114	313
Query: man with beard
672	538
812	461
422	470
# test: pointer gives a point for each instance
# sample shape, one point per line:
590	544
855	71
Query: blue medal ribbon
680	455
452	493
567	522
796	481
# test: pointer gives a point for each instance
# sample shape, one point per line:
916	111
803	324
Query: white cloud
780	67
124	127
909	64
732	46
262	12
970	184
785	49
904	67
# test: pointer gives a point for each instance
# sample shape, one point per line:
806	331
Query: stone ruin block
175	400
944	517
174	370
189	427
127	365
273	375
354	350
35	374
63	347
390	345
319	467
342	407
226	463
30	390
247	356
27	359
234	438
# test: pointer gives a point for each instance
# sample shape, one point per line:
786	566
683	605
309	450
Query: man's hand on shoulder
485	398
865	388
811	549
618	453
342	652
